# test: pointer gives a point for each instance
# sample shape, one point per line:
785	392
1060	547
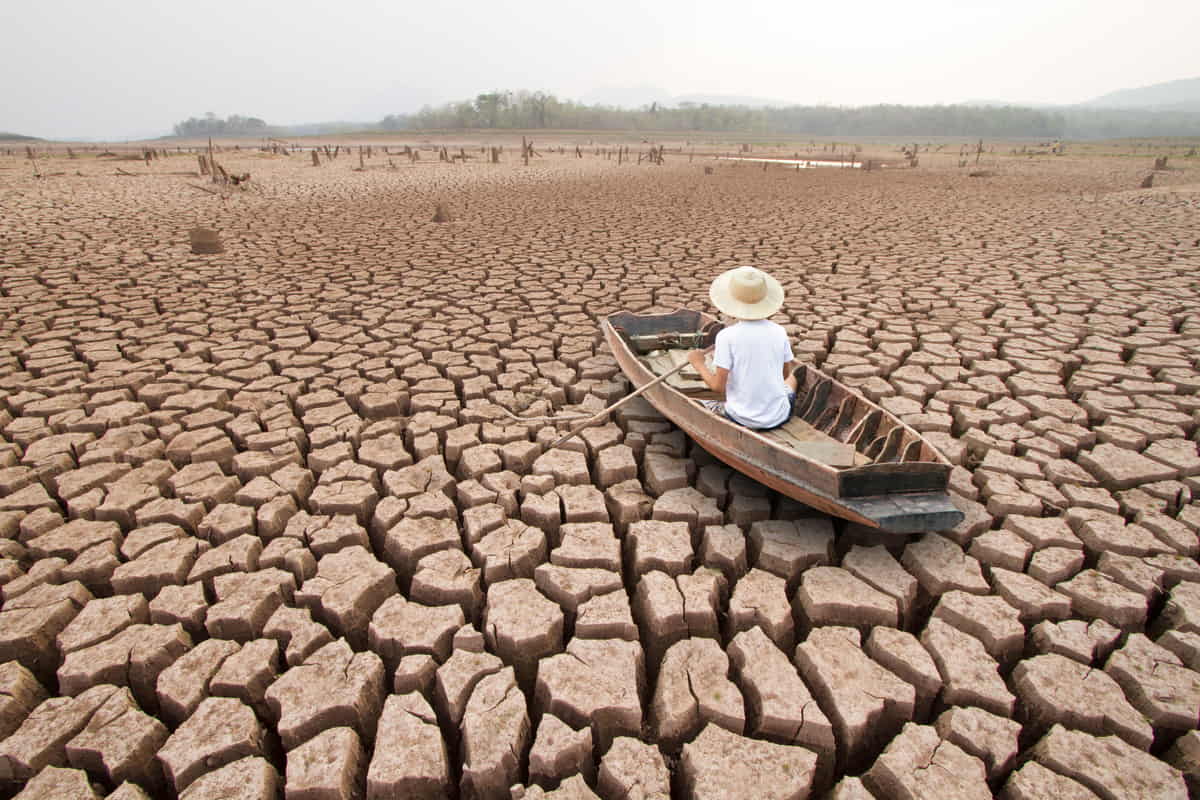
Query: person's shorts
718	407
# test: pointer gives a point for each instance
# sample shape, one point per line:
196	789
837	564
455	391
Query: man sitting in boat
752	356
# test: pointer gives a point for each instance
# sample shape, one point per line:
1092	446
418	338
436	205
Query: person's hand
696	358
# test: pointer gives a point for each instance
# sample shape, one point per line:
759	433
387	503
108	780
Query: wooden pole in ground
599	415
212	165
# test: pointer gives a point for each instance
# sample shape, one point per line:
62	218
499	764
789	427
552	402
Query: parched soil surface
266	526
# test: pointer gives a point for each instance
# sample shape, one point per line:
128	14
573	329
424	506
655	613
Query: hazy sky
130	68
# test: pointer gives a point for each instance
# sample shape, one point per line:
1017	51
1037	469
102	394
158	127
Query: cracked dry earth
265	530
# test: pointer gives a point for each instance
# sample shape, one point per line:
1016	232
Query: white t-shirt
754	352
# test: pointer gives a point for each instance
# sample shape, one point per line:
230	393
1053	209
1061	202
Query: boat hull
790	474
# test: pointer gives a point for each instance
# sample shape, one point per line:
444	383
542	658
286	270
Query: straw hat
746	293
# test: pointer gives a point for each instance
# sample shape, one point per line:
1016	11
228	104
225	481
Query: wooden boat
840	453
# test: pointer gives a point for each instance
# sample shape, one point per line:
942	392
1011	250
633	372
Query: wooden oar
599	415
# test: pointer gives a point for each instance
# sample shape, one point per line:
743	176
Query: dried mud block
903	770
182	686
627	503
559	751
446	577
334	687
1172	532
986	736
866	703
850	788
878	568
723	547
410	757
180	605
582	504
721	764
1102	532
250	778
247	673
614	465
1157	684
119	742
903	654
1035	782
573	788
20	693
495	731
71	539
1118	468
940	566
522	626
989	619
102	618
571	587
1055	564
41	739
401	628
760	599
513	550
1056	690
1184	645
221	731
58	783
693	688
141	539
1184	755
245	601
296	631
596	682
1108	766
134	657
971	676
633	769
1096	596
652	545
663	472
833	596
164	564
1134	573
1002	548
235	555
326	534
789	547
1032	599
349	587
606	616
658	607
588	544
567	467
30	623
326	767
687	505
415	674
1182	610
414	538
456	679
779	705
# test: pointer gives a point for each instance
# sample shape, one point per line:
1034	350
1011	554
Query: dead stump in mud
708	170
442	214
205	241
1148	181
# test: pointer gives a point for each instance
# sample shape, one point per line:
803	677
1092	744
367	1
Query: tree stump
316	159
205	241
442	214
1148	181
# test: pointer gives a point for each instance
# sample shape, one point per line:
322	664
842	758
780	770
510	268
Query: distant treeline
525	110
212	125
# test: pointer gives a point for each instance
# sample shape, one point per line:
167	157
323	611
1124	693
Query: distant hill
16	137
1181	95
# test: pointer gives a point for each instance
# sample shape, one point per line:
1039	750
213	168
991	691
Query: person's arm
713	380
789	367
